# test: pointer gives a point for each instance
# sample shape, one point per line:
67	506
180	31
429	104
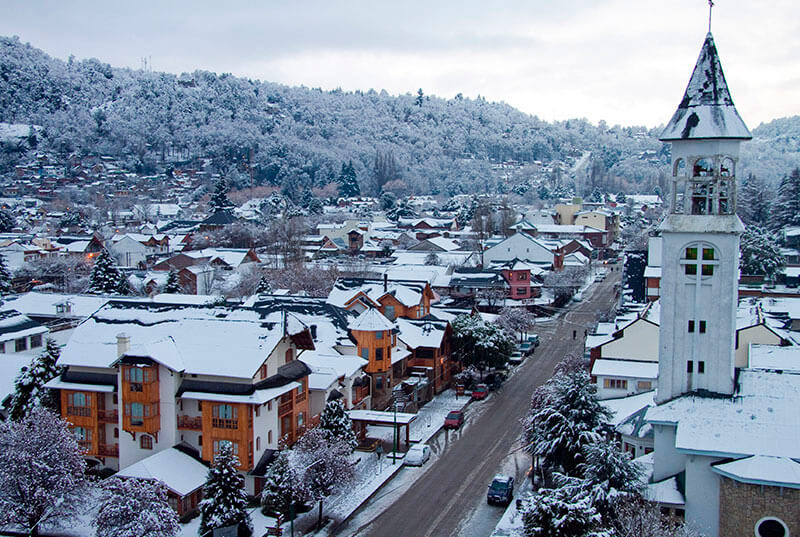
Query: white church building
726	438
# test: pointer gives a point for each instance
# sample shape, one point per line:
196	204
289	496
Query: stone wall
742	505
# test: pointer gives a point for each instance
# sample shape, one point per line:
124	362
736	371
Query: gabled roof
706	110
179	472
371	320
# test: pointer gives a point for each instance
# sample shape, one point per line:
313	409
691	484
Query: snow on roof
445	244
421	333
408	293
258	397
624	407
762	470
178	471
194	300
371	320
595	340
399	354
774	358
706	110
342	365
625	368
226	341
10	366
762	419
652	272
14	324
44	304
230	256
377	416
665	492
570	228
57	383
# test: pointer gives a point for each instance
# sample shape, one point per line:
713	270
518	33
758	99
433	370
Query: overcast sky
623	61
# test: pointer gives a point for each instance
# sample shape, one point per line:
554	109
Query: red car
454	419
480	392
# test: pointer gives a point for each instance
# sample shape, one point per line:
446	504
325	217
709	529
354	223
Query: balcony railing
285	408
82	411
189	422
108	416
108	450
86	445
224	423
300	397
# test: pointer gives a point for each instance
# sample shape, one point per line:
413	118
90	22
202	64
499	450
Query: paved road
450	497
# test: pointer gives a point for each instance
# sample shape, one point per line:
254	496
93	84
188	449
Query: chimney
123	344
385	282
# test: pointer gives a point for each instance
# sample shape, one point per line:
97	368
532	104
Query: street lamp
394	439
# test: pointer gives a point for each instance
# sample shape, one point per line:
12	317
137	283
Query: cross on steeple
710	7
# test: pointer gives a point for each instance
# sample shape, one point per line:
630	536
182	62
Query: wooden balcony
191	423
108	416
108	450
300	397
285	408
82	411
86	446
224	423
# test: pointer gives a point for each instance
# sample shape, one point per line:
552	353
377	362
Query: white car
417	455
578	297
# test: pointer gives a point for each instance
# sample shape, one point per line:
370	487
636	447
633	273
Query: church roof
706	110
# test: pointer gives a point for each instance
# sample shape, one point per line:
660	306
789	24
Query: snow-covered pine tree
759	252
264	287
104	278
348	181
7	221
123	285
224	497
172	286
219	199
754	203
480	344
29	391
336	424
135	508
5	276
41	471
787	208
609	476
559	513
280	486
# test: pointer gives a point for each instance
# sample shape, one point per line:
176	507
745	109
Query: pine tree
135	508
7	221
5	276
787	210
559	513
105	277
609	475
29	390
172	286
123	285
219	199
754	203
348	181
224	497
759	253
279	486
336	424
419	98
264	287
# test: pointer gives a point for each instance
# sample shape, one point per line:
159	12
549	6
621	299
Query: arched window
146	441
679	168
771	527
699	260
703	167
727	168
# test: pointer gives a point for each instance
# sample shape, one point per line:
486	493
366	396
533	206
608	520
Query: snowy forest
299	138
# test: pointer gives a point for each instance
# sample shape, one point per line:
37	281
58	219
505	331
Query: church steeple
706	110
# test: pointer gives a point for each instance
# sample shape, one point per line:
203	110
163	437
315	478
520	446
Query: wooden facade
293	414
88	416
228	422
140	399
377	348
438	359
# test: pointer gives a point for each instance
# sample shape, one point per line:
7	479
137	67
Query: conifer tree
787	210
224	497
348	182
219	199
5	276
336	424
29	390
173	285
135	508
7	221
279	486
264	287
105	277
754	201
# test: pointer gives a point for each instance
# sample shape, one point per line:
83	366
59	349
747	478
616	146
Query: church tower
700	257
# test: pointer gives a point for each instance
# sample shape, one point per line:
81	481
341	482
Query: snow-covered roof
421	333
341	365
399	354
762	419
652	272
625	368
774	358
44	304
258	397
624	407
178	471
408	293
706	110
58	383
665	492
377	416
14	324
10	366
371	320
762	470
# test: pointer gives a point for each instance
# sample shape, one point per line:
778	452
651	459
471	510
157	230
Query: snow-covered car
480	392
501	490
578	297
417	455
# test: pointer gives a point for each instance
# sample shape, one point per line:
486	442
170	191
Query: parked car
599	277
501	490
417	455
578	297
480	392
454	419
534	339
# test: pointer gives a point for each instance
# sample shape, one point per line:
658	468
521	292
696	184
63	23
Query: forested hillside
299	138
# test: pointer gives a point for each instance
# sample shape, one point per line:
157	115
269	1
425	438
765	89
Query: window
224	416
258	443
114	399
522	276
79	399
36	341
702	327
219	443
269	437
289	355
82	434
224	411
116	432
137	413
378	383
300	419
689	366
379	354
691	326
378	335
3	347
146	441
365	353
388	311
702	254
520	290
263	371
615	384
771	527
269	406
644	385
302	388
701	366
135	378
258	410
20	344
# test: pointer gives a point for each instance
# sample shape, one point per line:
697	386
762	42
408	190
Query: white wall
702	495
639	342
667	461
